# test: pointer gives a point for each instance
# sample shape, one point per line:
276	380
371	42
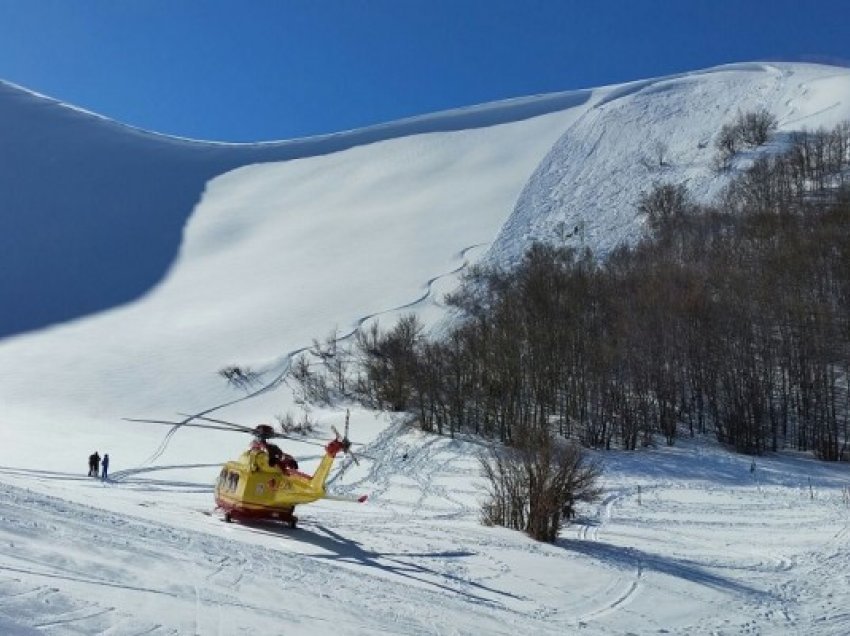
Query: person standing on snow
94	464
105	465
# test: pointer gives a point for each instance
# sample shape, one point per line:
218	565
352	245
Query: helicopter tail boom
323	470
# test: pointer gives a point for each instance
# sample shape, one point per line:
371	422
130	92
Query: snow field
685	539
744	554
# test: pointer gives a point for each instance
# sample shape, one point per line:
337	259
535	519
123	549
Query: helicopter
264	483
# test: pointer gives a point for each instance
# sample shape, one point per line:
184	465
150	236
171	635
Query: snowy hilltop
140	266
657	130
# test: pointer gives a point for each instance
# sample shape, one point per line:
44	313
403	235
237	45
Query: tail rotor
345	443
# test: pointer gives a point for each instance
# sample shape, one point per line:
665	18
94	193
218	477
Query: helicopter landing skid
283	515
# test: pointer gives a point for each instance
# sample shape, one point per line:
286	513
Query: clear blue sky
253	70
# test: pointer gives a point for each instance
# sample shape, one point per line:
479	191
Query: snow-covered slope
276	254
589	182
345	229
92	211
687	540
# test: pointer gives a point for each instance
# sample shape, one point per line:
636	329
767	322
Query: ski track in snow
285	364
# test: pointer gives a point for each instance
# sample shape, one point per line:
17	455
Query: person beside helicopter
276	456
94	464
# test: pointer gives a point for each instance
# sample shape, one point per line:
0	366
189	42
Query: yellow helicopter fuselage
251	488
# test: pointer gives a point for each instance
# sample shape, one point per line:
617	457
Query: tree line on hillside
731	319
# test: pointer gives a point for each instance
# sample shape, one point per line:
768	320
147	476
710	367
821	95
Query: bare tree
727	143
312	383
241	377
534	487
656	156
388	361
335	359
664	202
288	425
748	130
755	127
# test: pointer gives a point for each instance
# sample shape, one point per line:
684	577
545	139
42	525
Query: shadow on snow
627	557
346	550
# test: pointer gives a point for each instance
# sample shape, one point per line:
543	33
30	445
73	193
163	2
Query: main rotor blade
296	439
278	435
234	425
190	424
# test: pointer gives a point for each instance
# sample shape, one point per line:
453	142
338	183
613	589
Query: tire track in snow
427	293
422	464
590	532
68	620
822	564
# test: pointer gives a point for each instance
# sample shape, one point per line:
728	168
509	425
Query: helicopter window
232	481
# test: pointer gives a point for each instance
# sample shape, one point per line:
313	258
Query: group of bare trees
240	377
731	319
755	329
816	165
748	130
